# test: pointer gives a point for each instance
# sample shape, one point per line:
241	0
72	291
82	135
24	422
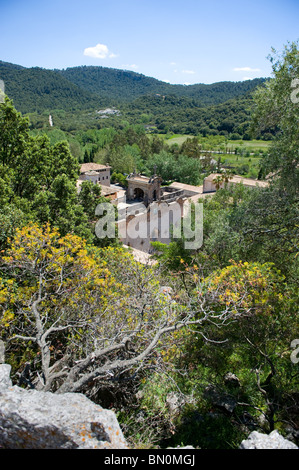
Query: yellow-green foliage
94	296
247	286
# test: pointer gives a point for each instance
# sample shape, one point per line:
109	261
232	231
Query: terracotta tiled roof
92	167
238	179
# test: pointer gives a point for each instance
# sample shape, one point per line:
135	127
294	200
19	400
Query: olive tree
82	317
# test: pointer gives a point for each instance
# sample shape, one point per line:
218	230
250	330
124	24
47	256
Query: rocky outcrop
274	440
223	401
30	419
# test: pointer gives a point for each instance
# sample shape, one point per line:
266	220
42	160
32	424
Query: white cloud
190	72
246	69
100	51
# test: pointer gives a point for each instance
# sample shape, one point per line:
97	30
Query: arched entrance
143	189
138	194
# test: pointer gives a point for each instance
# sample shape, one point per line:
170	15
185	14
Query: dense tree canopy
39	178
277	107
74	96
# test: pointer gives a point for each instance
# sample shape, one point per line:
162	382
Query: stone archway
142	188
139	194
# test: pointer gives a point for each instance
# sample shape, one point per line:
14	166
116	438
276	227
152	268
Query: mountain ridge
142	84
89	86
219	108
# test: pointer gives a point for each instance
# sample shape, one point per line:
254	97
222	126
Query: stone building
209	183
143	189
96	173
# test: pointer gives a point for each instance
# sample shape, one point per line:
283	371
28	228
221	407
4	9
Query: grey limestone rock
30	419
5	380
221	400
274	440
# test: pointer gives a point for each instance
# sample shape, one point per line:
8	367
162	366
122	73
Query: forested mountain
124	85
87	86
37	89
220	108
178	114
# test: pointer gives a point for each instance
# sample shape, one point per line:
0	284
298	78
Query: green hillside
124	85
79	92
37	89
176	114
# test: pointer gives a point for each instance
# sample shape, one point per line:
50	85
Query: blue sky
180	41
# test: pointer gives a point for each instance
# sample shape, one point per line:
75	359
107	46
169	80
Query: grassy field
244	166
242	157
176	139
215	142
252	145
